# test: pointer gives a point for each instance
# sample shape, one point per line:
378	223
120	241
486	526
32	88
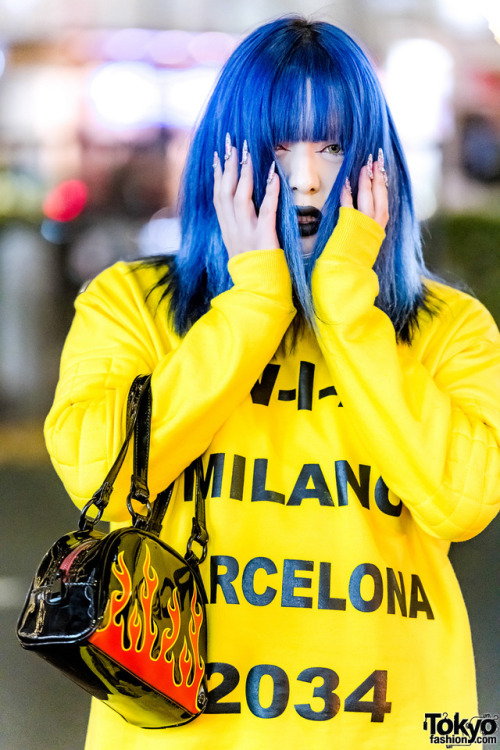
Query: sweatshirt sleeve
119	332
430	420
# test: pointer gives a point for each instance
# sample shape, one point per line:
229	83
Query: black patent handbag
123	614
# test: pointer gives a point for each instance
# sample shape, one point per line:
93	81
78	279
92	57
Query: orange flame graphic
132	641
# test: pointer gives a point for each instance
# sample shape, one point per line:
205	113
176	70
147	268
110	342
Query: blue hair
295	80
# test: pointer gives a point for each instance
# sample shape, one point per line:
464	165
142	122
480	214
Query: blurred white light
20	6
425	166
2	62
391	6
40	102
491	11
55	100
125	94
160	236
418	85
185	92
466	15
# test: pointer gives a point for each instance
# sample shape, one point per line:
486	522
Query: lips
309	220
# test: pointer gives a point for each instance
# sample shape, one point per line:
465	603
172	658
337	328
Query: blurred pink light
66	201
128	44
212	47
171	48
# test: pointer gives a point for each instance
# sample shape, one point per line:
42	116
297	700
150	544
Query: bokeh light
125	94
212	47
491	11
185	92
465	15
19	7
66	201
128	44
171	48
419	83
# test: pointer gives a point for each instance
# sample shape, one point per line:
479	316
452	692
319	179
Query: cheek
330	175
283	163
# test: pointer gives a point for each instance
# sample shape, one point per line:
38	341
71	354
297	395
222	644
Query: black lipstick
309	220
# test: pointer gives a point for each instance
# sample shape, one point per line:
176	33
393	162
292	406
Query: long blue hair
295	80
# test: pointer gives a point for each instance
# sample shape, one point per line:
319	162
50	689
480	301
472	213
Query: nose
303	176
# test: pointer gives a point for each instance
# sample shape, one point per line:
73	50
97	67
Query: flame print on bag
133	641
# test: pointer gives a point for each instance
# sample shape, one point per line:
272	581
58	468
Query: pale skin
311	169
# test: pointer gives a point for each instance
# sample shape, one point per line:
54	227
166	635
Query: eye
280	147
332	148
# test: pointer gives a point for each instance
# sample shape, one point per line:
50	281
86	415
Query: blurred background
97	104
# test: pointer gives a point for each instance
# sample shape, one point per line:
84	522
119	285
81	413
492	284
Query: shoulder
457	317
144	281
455	303
129	296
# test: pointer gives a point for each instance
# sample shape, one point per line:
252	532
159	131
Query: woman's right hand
242	230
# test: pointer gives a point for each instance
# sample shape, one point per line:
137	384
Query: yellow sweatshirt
336	476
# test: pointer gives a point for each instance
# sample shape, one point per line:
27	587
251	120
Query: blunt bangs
306	102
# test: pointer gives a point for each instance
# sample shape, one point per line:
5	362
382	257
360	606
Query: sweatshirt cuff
261	270
356	238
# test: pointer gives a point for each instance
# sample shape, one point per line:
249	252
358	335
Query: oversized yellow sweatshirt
336	476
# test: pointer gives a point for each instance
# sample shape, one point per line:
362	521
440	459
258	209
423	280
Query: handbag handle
100	498
138	422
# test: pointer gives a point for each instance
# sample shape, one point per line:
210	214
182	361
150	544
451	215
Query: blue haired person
346	405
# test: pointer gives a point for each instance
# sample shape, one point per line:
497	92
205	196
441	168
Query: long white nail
381	166
244	153
347	184
229	148
216	160
369	166
272	171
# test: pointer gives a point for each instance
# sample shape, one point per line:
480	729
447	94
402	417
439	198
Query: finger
243	204
225	220
217	177
225	189
346	195
365	195
217	185
381	167
267	213
229	176
380	191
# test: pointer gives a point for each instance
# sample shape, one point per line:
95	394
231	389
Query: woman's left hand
372	193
